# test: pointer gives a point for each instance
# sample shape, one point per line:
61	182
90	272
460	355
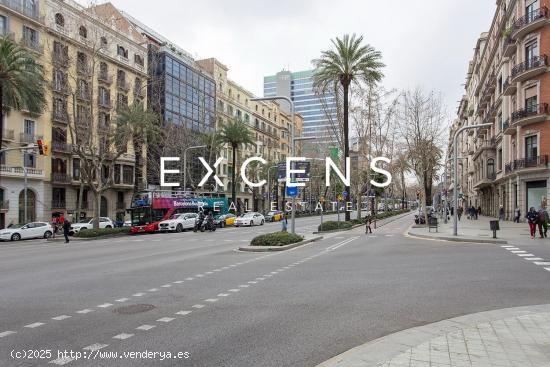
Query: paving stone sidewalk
478	230
514	337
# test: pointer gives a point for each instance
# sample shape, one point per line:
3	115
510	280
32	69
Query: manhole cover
133	309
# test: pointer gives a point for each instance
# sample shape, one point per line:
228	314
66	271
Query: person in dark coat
66	229
532	219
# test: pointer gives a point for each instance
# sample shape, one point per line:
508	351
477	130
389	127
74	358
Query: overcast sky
425	43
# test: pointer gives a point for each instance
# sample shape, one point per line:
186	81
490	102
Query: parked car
88	223
274	216
178	223
250	219
223	220
24	231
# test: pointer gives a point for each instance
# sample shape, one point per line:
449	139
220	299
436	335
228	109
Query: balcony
105	78
530	115
483	146
83	69
485	181
529	22
29	138
61	88
529	68
123	59
9	135
60	59
509	88
123	84
4	205
61	178
9	171
60	117
508	47
83	95
27	10
32	44
530	163
59	204
61	147
104	103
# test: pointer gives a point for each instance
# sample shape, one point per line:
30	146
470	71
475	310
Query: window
104	96
531	147
76	172
490	168
104	120
531	99
59	80
121	51
59	20
29	160
29	127
2	158
3	25
531	51
31	7
83	32
499	160
531	7
30	36
103	41
138	59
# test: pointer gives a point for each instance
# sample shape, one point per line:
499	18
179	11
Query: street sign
345	194
298	177
292	191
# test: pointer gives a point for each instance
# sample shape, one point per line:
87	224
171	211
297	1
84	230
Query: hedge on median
90	233
276	239
334	225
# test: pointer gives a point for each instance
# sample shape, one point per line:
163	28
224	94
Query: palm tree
349	62
235	133
143	126
21	81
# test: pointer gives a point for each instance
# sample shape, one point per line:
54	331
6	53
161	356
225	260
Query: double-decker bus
149	208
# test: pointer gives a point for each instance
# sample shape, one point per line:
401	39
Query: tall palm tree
143	126
348	62
235	133
21	81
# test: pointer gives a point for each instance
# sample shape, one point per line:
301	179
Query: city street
193	292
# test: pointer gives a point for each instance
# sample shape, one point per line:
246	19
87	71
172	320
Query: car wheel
262	222
108	226
83	229
251	223
222	224
15	237
47	234
179	228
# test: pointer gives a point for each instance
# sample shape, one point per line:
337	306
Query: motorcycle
204	225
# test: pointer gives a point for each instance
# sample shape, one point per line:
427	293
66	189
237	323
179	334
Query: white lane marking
178	282
506	246
33	325
274	272
166	319
260	278
122	299
542	263
216	270
87	310
227	240
190	278
145	327
211	300
6	333
524	255
123	336
197	306
105	305
233	290
268	275
138	294
166	286
62	317
518	252
153	290
389	235
512	248
244	286
534	258
547	269
209	272
223	295
183	313
61	361
225	268
252	282
96	346
199	275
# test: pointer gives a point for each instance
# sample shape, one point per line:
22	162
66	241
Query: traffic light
46	149
40	144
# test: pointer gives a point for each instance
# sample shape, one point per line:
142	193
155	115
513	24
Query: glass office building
318	111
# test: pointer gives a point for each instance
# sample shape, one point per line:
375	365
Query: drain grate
133	309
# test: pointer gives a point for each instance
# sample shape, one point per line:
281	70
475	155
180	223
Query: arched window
60	20
490	167
138	59
121	51
31	206
103	41
83	32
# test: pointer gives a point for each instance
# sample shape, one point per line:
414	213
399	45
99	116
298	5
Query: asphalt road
192	292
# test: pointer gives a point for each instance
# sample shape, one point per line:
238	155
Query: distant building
318	112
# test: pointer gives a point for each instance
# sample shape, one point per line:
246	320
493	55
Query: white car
88	223
250	219
24	231
178	223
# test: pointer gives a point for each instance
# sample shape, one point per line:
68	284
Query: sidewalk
513	337
476	231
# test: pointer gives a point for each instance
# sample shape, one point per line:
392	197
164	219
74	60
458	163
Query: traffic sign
292	191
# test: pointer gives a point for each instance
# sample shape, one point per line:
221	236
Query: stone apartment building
508	86
93	64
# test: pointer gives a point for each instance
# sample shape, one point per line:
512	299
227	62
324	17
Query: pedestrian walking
66	228
368	221
478	211
284	223
459	212
532	218
501	213
517	215
54	226
543	222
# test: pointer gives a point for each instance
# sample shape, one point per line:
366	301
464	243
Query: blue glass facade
312	107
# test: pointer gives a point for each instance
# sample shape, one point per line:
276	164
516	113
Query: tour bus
149	208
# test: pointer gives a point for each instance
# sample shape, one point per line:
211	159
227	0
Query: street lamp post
185	163
455	170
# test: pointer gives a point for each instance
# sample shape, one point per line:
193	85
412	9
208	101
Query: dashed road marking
178	282
209	272
233	290
105	305
123	336
122	299
138	294
547	269
534	258
6	333
85	311
183	313
518	252
223	295
96	346
525	255
34	325
244	286
542	263
252	282
197	306
62	317
153	290
166	319
61	361
211	300
145	327
199	275
190	278
166	286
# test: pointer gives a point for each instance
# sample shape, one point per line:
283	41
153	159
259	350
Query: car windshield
248	215
85	220
219	216
18	225
176	216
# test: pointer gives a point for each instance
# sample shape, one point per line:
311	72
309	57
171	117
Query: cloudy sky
425	43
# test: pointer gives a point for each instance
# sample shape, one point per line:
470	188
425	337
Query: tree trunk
346	143
1	115
80	197
137	170
97	209
233	183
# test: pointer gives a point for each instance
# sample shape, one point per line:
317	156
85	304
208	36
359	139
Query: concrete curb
378	351
393	218
278	248
458	239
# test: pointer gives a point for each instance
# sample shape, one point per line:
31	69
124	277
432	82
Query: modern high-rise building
318	110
